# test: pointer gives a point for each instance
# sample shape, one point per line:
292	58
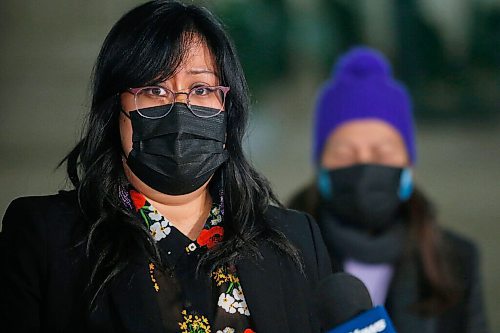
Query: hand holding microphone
344	305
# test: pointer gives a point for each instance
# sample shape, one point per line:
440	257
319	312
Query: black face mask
364	196
178	153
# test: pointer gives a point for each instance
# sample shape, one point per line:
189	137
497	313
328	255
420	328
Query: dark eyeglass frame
136	91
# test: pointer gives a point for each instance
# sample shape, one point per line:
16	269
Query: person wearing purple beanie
376	224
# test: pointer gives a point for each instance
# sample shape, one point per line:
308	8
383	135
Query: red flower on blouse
210	237
248	330
138	199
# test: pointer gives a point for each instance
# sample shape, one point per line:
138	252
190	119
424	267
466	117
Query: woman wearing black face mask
376	225
169	229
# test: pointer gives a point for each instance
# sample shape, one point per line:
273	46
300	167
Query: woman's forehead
198	59
366	131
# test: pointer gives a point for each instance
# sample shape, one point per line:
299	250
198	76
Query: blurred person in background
169	228
376	224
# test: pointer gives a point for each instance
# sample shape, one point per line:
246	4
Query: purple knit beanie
363	88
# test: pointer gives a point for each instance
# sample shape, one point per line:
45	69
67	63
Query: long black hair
146	46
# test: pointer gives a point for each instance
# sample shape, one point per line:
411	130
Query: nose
181	97
365	156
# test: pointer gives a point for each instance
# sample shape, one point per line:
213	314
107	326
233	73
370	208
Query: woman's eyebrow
342	144
197	71
387	142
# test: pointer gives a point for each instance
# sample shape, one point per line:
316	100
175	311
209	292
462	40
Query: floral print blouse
189	302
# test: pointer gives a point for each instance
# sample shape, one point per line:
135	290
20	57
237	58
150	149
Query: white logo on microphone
377	327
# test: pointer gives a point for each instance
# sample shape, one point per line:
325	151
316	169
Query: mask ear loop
124	156
125	113
405	184
324	184
221	192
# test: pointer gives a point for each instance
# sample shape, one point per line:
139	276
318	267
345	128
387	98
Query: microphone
344	305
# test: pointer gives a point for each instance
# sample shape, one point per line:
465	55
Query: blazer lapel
130	304
135	301
263	290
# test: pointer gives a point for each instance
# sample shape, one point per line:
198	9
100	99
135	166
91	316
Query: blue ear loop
324	184
405	184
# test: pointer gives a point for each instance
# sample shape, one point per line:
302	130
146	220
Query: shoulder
279	215
460	246
44	217
294	224
303	232
463	254
42	268
64	202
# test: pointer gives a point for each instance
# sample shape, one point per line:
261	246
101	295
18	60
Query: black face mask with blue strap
178	153
365	196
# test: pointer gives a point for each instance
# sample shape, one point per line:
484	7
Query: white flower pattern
243	309
160	230
216	220
238	294
215	211
242	305
154	215
234	303
227	330
226	302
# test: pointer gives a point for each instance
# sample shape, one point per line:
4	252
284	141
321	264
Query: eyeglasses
202	101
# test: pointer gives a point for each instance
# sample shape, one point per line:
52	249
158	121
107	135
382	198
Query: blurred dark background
445	51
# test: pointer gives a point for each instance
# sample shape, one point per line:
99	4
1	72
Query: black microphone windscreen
339	298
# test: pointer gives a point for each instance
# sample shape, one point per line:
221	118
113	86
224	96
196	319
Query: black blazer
43	276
